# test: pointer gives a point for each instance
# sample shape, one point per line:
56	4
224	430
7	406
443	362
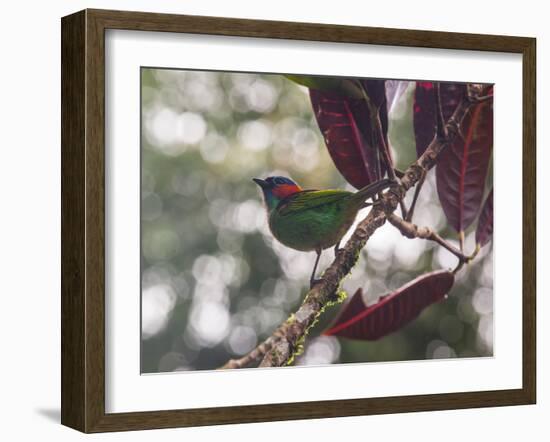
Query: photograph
268	220
299	220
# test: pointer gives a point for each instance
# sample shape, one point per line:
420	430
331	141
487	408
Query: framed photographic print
269	220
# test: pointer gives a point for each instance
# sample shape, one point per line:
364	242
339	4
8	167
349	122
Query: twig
398	173
441	133
483	98
253	356
439	121
404	211
477	93
468	260
411	230
461	240
417	190
288	338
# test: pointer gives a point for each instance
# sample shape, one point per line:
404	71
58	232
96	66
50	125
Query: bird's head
276	188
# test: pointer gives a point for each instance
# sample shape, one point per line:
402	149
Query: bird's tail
372	189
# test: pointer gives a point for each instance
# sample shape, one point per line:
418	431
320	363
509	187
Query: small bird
312	220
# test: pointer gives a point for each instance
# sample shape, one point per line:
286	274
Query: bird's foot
313	282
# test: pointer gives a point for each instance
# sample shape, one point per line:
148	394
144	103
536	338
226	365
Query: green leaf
346	86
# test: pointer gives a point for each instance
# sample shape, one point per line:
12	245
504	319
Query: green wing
311	199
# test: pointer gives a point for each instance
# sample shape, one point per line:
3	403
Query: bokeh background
215	283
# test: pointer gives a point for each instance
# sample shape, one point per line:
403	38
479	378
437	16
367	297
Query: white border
127	390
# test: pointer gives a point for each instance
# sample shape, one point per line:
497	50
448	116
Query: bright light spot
235	271
155	275
373	290
397	107
438	349
305	141
242	340
483	301
248	216
191	128
214	148
214	291
261	96
443	352
157	303
163	126
296	265
485	332
486	275
408	253
305	154
229	241
445	259
270	318
203	96
255	135
207	269
242	79
169	131
382	244
209	322
321	350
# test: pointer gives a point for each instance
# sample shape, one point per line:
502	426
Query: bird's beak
262	183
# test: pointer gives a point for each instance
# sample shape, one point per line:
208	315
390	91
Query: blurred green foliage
215	283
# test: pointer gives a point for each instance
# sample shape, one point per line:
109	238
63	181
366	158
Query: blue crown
279	180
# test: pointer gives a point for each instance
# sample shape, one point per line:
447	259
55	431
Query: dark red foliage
424	109
391	312
462	167
345	123
484	230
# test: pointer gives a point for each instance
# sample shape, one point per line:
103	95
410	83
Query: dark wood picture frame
83	220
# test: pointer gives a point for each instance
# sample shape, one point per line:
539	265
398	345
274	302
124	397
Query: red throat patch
281	191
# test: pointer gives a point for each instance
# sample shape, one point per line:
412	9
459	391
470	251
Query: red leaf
462	167
346	126
424	117
393	311
484	230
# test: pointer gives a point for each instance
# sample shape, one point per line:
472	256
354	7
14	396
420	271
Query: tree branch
440	126
412	231
286	341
